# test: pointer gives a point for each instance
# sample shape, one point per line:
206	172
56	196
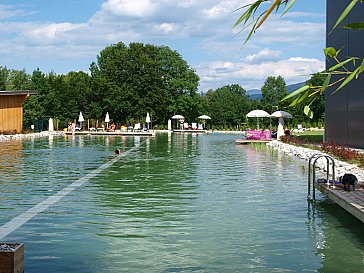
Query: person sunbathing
112	127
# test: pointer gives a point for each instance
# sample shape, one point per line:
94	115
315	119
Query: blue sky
67	35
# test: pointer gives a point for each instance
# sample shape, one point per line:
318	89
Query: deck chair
137	127
194	126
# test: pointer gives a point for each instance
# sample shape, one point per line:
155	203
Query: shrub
343	152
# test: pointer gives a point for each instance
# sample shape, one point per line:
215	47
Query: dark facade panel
336	132
344	122
355	128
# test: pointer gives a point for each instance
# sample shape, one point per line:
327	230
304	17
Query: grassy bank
315	137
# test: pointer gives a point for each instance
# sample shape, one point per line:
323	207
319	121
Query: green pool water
172	203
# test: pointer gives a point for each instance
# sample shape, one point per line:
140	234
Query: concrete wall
344	118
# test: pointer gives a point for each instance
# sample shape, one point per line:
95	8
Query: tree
139	78
4	73
17	80
318	106
253	18
273	91
227	105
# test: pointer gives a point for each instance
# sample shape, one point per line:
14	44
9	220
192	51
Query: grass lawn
310	136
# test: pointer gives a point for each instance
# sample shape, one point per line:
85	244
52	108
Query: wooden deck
352	202
116	133
248	141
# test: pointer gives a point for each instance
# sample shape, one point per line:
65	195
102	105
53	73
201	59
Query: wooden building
11	110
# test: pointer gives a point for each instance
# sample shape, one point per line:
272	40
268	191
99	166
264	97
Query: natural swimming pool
173	203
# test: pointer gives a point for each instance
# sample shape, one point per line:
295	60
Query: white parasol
178	117
147	120
81	119
258	114
281	114
107	119
204	117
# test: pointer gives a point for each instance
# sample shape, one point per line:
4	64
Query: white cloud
9	11
249	75
265	54
201	28
138	8
167	27
47	34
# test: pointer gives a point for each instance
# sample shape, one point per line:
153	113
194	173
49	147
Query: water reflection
176	202
338	237
11	161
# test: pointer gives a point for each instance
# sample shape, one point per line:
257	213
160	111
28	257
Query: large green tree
273	91
227	105
140	78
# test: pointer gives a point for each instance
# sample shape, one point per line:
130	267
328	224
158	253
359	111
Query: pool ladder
312	163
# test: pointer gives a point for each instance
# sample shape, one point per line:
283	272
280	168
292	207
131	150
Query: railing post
11	257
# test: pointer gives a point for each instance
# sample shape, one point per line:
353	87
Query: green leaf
308	112
357	25
294	93
330	51
300	99
326	83
345	13
251	32
288	7
341	64
349	78
361	67
248	13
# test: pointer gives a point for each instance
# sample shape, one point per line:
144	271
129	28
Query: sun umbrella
81	119
50	125
258	114
204	117
178	117
281	114
107	119
147	120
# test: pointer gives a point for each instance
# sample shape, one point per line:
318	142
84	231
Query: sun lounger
257	134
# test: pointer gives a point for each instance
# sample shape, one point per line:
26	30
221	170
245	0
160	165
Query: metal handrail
315	157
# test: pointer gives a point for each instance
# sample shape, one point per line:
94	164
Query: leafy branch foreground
253	17
339	151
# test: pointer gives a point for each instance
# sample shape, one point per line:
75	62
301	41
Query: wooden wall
11	113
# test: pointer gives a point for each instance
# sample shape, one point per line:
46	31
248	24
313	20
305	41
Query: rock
341	167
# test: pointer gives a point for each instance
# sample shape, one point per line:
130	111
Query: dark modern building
344	118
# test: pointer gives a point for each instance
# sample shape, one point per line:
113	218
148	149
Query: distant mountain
253	92
256	94
294	86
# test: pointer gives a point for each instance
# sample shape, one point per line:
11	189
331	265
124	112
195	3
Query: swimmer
117	151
